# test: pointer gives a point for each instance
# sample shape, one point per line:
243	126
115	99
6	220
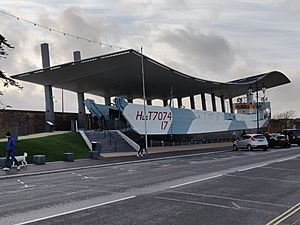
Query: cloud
26	55
209	39
290	6
210	53
150	5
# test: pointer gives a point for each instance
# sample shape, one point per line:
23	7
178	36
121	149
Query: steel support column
179	102
213	102
49	114
165	102
192	101
81	117
107	100
231	105
203	101
223	104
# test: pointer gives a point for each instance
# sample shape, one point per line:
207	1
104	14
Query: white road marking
229	198
25	185
285	159
236	205
79	175
194	202
76	210
252	167
215	205
285	215
262	178
195	181
28	186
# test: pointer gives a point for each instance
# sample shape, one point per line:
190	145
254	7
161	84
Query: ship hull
176	121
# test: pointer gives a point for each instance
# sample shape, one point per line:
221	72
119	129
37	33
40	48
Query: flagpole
144	98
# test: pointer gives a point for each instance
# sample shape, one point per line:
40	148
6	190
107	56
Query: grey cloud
285	98
75	21
210	52
155	5
290	6
30	97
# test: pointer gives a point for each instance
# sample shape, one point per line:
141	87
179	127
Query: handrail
110	138
129	141
86	140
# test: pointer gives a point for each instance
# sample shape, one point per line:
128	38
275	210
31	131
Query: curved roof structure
119	74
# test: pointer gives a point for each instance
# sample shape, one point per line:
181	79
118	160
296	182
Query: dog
21	159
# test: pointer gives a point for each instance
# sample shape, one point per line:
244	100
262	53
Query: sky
209	39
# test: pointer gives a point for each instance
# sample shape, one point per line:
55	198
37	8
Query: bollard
93	154
68	157
39	159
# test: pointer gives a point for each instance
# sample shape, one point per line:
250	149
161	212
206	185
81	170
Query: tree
286	118
7	81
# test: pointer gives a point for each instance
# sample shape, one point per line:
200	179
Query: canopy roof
119	74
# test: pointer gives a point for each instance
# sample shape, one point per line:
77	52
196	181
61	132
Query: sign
159	119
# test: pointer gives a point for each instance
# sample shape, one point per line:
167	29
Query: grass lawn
52	147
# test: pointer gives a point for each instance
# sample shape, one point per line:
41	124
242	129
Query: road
217	187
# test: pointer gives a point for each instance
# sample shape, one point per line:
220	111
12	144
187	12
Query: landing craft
167	123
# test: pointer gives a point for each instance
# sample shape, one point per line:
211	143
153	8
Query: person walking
142	148
10	152
234	137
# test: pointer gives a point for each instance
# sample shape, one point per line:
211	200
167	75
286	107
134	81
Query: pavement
106	159
38	135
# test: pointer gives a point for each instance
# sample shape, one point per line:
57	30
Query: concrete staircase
108	141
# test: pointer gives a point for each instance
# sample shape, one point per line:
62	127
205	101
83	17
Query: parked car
277	139
293	136
250	142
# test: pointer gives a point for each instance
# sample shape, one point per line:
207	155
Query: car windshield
244	137
259	136
281	137
294	133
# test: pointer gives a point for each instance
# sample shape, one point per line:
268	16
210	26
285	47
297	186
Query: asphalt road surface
217	188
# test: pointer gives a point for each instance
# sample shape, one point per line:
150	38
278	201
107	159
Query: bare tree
290	114
286	118
7	81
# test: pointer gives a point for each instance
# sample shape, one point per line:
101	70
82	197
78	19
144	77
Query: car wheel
265	148
249	147
235	148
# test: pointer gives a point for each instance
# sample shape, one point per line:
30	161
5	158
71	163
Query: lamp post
257	105
144	98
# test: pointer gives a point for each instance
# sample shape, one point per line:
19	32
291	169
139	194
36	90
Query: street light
144	98
257	116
